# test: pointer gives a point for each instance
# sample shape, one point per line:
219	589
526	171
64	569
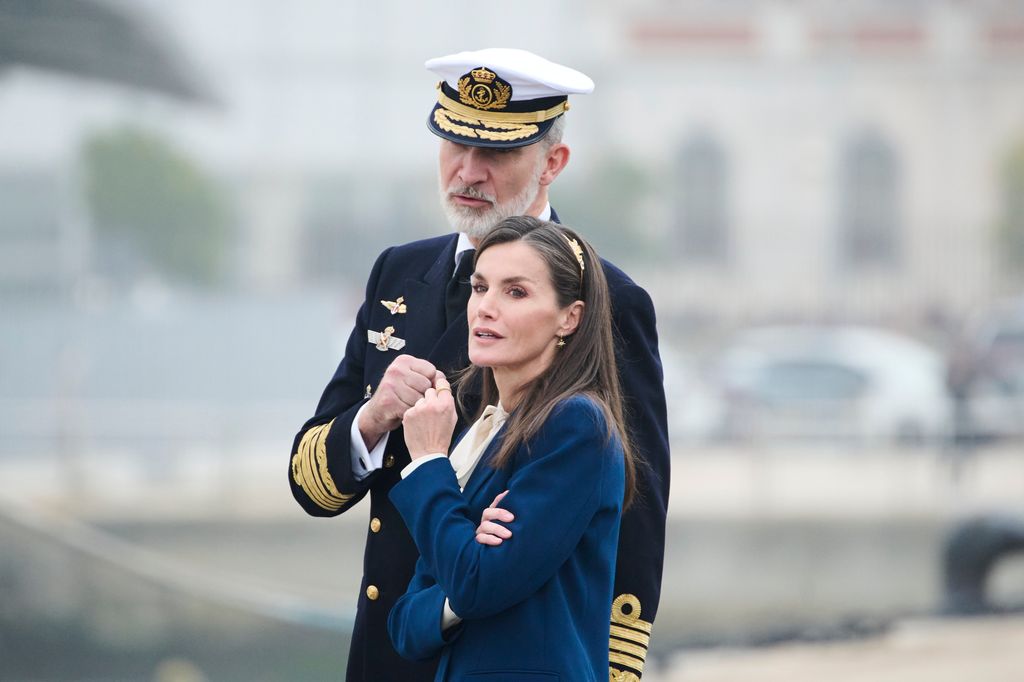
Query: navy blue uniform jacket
418	272
535	606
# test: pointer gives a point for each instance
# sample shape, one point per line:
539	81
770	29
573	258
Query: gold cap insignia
396	307
482	89
384	341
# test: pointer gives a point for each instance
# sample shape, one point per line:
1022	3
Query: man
500	117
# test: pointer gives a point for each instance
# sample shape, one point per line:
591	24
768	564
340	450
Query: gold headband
578	251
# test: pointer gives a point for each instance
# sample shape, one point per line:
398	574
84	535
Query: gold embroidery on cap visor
496	132
500	117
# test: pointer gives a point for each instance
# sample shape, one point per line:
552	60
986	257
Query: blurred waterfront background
825	200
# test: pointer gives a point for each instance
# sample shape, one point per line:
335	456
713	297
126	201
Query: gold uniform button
389	461
372	593
375	524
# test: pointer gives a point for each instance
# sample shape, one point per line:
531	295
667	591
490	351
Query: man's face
480	186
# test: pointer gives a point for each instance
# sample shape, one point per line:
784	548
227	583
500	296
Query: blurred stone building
821	160
747	160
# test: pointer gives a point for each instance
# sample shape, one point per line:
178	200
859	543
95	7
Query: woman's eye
479	288
516	292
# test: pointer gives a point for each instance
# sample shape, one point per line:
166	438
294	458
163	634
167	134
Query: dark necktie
457	292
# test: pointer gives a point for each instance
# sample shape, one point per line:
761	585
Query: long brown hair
584	365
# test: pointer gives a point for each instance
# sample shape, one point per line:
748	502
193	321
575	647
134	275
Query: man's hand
489	532
430	422
404	382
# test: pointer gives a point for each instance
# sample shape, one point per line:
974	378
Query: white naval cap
500	97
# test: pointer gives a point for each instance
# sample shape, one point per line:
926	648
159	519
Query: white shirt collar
462	246
465	245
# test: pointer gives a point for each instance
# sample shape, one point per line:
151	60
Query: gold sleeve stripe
639	625
304	479
310	483
321	460
625	647
631	635
313	476
308	456
323	477
622	675
623	659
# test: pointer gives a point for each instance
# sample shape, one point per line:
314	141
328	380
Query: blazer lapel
425	303
449	352
483	472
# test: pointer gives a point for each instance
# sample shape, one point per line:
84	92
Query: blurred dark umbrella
97	40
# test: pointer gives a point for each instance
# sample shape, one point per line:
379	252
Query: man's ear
571	318
556	160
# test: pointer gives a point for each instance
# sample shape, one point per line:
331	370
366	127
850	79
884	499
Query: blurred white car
832	382
988	373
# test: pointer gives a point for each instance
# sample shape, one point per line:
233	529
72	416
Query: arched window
702	227
869	209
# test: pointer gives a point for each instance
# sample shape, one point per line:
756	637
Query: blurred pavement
960	650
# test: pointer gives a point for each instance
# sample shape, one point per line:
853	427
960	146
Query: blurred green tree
1010	232
144	192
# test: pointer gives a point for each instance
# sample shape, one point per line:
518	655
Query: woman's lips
486	335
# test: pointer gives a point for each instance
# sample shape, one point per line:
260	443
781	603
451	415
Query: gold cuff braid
630	636
309	469
622	675
501	117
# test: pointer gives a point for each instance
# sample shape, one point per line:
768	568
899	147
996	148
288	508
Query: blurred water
77	604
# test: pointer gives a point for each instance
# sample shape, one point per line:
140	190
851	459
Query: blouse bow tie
469	450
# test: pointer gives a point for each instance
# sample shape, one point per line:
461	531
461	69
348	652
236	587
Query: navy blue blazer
535	606
417	272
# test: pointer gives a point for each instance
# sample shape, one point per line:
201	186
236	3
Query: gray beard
478	222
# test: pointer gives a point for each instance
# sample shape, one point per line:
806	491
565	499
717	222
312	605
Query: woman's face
514	318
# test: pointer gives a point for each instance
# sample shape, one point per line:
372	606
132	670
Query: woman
527	600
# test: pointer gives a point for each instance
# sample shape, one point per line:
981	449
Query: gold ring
443	388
